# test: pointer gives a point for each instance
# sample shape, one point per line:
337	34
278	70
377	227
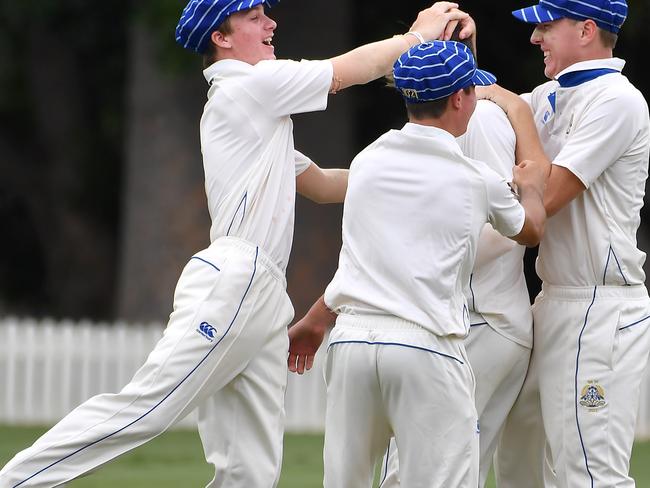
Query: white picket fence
47	368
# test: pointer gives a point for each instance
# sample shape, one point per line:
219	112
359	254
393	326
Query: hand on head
440	20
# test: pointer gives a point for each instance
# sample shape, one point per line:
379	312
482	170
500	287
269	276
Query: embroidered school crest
410	93
592	396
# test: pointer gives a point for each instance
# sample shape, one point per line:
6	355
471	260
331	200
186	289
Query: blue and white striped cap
435	70
608	14
200	18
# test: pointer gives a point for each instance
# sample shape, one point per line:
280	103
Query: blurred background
101	182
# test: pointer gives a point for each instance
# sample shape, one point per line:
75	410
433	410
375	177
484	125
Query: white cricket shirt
247	143
600	131
497	288
413	211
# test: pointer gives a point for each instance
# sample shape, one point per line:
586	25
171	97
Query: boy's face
251	35
559	42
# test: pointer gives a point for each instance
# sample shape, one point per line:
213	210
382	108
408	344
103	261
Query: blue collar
575	78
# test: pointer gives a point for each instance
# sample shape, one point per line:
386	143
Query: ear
220	39
589	31
456	100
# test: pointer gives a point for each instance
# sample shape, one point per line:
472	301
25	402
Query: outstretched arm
374	60
306	336
323	185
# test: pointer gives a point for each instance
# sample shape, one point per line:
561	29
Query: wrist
410	35
529	188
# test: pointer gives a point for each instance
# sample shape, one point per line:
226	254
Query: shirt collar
427	131
571	76
225	68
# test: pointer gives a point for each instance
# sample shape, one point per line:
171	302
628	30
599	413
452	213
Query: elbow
534	234
320	198
533	230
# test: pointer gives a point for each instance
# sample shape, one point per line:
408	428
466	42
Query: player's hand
432	22
530	175
505	99
305	337
467	29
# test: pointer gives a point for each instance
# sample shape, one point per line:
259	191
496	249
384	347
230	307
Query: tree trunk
164	212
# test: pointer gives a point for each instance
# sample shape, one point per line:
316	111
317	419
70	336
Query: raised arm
374	60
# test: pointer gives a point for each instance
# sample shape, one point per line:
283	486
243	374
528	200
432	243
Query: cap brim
483	78
535	15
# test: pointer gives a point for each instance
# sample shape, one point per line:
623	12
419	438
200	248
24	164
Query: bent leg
188	364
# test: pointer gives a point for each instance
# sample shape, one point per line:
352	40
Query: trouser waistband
589	292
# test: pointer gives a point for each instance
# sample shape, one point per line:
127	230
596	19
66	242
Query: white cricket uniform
592	317
501	323
396	364
225	347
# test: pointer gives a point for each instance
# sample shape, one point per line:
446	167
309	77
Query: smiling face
560	41
250	36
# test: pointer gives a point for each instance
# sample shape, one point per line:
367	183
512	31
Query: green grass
175	459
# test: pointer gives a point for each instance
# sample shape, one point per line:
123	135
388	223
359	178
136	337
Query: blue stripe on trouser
168	394
385	465
584	326
410	346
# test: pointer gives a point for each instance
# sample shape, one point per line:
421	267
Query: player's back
413	211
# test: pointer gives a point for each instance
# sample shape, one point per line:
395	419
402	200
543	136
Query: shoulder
615	96
490	117
289	66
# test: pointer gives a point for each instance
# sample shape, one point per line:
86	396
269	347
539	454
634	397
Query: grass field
175	460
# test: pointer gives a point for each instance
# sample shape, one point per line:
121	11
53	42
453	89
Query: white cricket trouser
522	457
386	377
224	351
592	347
499	365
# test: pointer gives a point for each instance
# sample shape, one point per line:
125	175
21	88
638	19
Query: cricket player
224	350
413	212
592	317
501	323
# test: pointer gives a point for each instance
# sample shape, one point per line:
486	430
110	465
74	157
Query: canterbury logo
207	331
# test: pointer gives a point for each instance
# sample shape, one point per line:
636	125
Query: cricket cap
608	14
201	18
434	70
